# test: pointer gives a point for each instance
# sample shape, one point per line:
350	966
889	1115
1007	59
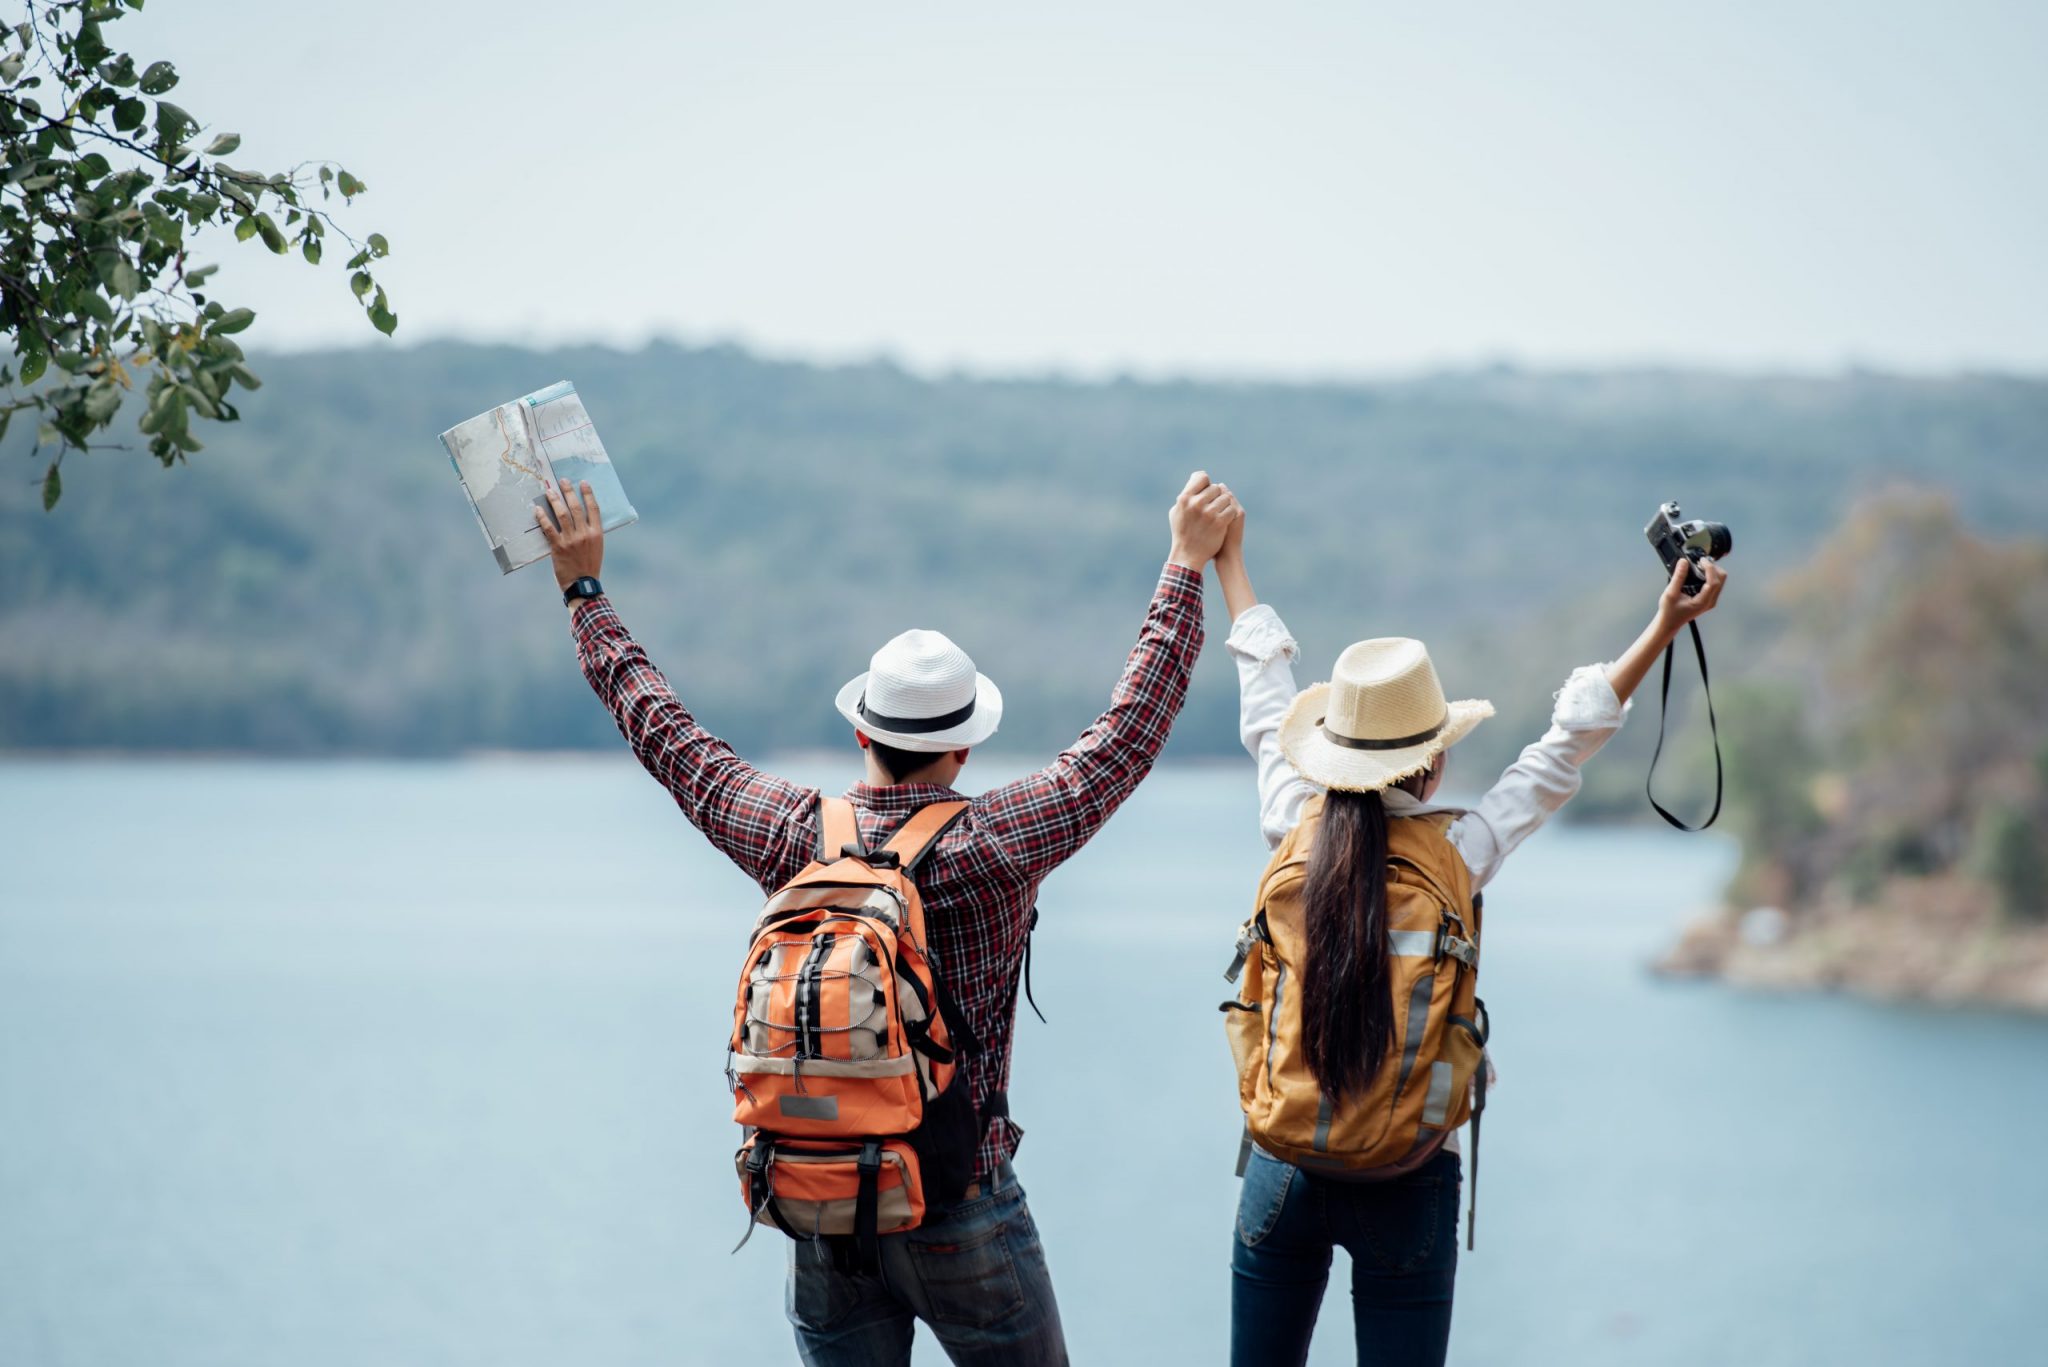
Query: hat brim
1327	764
988	714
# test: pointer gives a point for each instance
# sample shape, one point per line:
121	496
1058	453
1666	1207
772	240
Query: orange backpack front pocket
808	1188
818	1048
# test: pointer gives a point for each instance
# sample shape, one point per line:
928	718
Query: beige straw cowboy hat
1381	718
921	692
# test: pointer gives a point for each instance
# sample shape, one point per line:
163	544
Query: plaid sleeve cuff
1179	584
595	624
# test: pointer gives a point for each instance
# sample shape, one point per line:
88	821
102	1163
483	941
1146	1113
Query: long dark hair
1347	1005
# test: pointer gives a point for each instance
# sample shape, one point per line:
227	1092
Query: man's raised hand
1201	518
576	533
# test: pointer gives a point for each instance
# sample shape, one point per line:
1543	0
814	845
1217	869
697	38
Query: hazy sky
1275	188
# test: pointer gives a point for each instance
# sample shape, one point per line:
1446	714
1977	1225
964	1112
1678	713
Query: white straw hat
1381	718
921	693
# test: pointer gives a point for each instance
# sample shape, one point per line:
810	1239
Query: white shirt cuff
1587	701
1260	637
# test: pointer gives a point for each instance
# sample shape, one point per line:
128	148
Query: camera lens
1710	538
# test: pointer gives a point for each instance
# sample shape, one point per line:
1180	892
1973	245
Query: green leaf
235	320
245	228
120	71
379	245
350	186
171	121
53	487
158	77
102	401
360	283
129	113
197	275
125	280
381	316
33	365
224	144
309	247
272	237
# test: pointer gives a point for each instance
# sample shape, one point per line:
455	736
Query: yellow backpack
1434	1078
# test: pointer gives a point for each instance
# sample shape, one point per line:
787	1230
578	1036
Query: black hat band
915	726
1397	743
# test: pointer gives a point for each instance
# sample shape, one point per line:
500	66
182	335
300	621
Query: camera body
1675	540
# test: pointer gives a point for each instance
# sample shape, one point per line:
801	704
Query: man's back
980	884
973	1269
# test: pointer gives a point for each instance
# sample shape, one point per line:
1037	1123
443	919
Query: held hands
1201	519
576	535
1233	542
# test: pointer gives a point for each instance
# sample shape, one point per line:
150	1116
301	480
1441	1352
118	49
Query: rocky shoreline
1932	940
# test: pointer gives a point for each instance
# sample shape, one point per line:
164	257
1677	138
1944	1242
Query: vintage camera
1692	540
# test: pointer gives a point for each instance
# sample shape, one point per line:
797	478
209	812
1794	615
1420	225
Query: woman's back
1415	1094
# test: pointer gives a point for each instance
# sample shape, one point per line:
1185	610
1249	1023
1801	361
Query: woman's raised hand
1201	518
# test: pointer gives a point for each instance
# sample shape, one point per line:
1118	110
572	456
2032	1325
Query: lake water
421	1064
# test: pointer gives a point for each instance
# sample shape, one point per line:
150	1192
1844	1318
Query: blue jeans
975	1273
1402	1236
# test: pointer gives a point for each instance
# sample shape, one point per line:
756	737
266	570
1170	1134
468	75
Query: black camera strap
1699	649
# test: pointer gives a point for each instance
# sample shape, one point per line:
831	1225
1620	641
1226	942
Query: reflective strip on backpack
827	1067
1273	1025
1412	944
1438	1102
1418	1017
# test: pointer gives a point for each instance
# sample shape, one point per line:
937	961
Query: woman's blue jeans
1402	1236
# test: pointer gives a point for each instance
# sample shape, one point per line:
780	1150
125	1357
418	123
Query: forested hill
314	582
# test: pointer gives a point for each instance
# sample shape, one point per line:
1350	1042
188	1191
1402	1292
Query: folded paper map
503	457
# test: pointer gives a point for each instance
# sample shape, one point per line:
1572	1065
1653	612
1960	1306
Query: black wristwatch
586	587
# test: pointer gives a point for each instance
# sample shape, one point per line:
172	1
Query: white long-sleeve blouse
1541	780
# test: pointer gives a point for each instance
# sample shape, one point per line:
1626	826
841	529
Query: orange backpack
1434	1078
845	1045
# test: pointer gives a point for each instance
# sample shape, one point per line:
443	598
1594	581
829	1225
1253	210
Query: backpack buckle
874	859
1454	946
1247	934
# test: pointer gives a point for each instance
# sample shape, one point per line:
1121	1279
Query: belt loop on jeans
1003	1178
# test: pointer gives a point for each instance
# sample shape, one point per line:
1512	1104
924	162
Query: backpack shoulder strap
1431	860
837	828
916	837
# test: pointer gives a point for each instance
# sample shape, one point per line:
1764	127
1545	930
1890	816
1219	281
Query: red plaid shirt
980	885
